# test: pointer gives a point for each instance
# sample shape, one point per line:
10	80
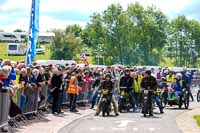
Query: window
9	36
23	36
12	47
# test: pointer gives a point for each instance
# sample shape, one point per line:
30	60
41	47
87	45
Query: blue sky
59	13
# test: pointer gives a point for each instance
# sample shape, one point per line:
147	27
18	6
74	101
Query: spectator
56	84
73	91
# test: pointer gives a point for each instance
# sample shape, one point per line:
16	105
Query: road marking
92	129
97	128
153	129
115	128
123	123
135	129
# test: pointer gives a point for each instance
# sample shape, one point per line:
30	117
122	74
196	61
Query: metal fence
4	110
195	82
30	100
84	94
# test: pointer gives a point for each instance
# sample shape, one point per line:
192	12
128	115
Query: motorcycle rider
149	82
187	77
177	87
170	77
126	82
107	84
95	87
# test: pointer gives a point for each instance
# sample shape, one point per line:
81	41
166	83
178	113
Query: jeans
190	93
64	96
95	99
178	93
158	102
136	97
22	101
72	99
131	99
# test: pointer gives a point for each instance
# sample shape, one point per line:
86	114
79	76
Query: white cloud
83	6
89	6
21	23
4	17
46	23
50	23
169	6
16	4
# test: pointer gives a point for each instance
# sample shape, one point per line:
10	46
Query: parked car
40	50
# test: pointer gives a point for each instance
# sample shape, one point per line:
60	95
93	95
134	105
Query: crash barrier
195	86
43	97
195	82
85	93
4	109
29	100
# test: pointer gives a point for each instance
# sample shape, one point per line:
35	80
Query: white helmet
178	75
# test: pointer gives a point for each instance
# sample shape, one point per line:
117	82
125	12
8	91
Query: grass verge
3	54
197	118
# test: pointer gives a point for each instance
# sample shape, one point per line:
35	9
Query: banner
33	32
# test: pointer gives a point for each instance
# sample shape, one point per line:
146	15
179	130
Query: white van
9	37
16	49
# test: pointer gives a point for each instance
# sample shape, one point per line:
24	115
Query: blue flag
33	32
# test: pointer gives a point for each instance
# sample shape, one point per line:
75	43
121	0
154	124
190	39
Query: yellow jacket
170	79
137	83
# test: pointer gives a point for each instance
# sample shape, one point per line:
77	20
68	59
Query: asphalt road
129	123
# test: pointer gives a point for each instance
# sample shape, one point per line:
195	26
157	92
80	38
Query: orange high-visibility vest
72	89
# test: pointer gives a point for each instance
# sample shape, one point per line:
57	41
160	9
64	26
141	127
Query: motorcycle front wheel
198	96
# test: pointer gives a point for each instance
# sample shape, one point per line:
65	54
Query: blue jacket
12	76
176	86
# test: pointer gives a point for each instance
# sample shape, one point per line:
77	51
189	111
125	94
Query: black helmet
108	75
148	72
164	79
127	70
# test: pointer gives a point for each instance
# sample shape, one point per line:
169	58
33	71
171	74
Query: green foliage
18	30
132	36
135	36
184	41
74	29
66	45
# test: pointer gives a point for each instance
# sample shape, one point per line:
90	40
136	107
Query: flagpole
29	32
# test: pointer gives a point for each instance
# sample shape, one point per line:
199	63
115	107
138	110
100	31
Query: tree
132	36
74	29
19	30
66	46
185	41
